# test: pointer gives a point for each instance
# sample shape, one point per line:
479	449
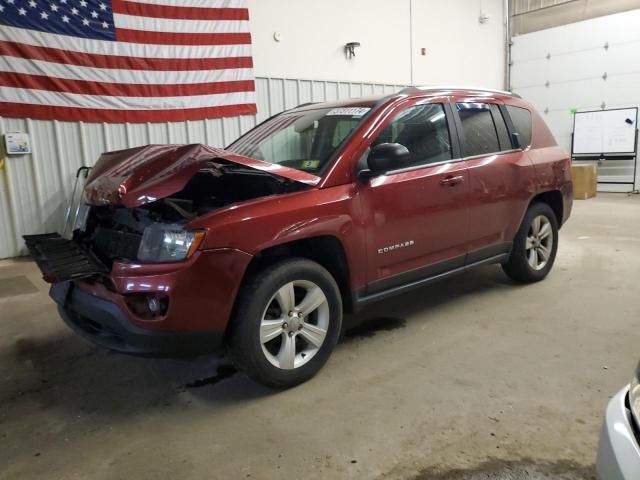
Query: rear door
500	176
416	217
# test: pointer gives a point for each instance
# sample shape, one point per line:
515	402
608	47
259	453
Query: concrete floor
472	378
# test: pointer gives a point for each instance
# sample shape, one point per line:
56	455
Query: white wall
307	65
460	50
314	34
574	70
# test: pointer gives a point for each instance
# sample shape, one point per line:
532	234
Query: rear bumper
567	201
618	449
106	324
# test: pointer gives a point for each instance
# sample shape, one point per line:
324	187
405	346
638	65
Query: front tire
287	322
535	245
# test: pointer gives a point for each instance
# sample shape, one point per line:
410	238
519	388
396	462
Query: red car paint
201	289
448	213
141	175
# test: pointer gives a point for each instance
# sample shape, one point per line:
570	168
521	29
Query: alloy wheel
539	242
294	325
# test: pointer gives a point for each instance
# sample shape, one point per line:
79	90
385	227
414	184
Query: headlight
168	243
634	396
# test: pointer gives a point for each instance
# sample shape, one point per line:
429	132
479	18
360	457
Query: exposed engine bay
115	232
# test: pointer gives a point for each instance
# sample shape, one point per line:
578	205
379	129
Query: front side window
305	140
423	129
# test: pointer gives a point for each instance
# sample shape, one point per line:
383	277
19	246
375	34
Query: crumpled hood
142	175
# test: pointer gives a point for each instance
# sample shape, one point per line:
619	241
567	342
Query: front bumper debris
61	260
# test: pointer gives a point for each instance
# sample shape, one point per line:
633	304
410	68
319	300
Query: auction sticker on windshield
348	111
310	164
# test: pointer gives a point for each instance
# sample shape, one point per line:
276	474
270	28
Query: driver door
417	223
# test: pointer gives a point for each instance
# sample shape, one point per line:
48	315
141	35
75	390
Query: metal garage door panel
575	37
617	27
623	58
582	94
530	72
622	90
561	124
570	67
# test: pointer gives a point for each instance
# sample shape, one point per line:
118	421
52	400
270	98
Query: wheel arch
326	250
554	199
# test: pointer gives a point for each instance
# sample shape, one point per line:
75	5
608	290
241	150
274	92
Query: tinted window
479	130
343	128
521	118
501	128
423	130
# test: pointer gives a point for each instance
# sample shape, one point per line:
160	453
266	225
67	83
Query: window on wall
485	130
521	118
423	129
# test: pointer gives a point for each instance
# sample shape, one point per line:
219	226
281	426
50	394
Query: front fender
252	228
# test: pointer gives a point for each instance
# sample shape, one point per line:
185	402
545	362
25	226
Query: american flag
125	61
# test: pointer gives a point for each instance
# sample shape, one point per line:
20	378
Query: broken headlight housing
168	243
634	396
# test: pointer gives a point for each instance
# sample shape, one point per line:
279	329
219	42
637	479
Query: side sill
361	301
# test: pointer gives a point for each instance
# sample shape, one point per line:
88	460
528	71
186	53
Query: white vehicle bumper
618	449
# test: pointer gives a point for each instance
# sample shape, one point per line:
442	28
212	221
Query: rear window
480	135
521	118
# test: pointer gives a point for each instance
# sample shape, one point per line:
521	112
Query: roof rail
306	104
456	87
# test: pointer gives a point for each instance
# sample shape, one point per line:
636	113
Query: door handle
451	181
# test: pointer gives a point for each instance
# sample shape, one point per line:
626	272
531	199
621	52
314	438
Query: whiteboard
605	131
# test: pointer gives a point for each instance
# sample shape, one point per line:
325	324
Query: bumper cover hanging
61	259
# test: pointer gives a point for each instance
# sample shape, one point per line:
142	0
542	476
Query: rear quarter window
521	118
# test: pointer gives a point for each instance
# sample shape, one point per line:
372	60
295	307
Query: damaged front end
139	203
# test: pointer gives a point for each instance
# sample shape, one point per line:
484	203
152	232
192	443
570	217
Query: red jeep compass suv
321	209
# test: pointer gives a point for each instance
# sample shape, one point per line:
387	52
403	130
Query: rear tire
535	245
287	322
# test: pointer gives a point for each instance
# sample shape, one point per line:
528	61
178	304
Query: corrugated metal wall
34	189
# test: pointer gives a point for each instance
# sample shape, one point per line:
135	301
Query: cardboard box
585	180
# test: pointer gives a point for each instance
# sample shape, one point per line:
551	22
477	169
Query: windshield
305	140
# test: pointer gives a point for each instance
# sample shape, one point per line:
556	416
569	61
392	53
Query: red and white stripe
173	60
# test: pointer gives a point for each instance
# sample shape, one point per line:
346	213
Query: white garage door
588	65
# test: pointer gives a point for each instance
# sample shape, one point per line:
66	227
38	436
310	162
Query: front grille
61	259
110	244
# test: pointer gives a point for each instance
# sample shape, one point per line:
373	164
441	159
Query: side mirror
387	156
